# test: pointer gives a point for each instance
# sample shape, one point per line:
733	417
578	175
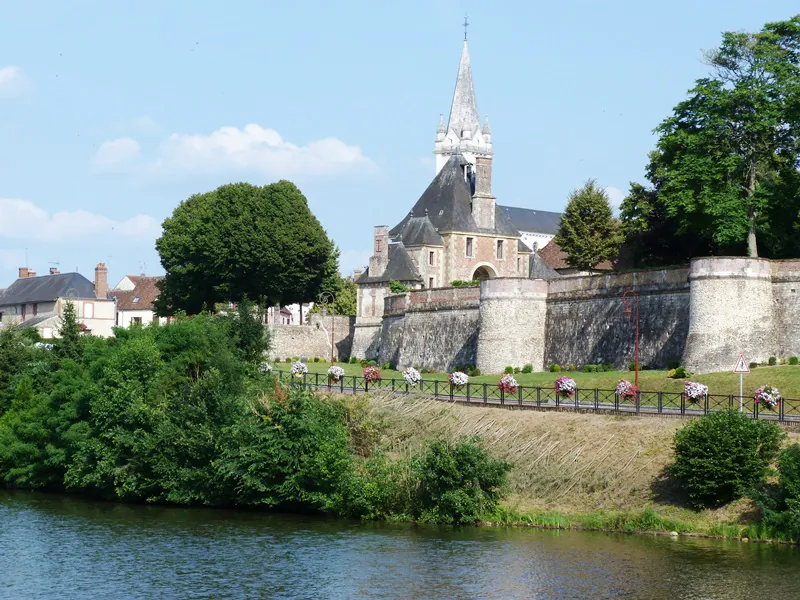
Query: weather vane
466	24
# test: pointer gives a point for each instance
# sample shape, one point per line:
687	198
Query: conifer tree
70	344
588	232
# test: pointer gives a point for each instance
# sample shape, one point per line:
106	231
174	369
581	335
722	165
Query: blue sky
111	113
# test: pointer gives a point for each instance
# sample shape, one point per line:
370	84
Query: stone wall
586	323
431	328
313	339
786	306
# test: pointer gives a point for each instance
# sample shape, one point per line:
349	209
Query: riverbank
571	470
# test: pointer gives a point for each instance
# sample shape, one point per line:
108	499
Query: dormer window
136	299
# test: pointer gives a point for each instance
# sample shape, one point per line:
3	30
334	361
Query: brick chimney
54	271
23	272
483	203
101	281
379	261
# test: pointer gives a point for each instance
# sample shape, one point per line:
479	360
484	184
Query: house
39	301
554	257
134	296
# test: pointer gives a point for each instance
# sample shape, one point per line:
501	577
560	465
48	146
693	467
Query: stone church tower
463	134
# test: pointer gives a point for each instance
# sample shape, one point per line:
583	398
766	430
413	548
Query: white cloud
120	154
145	124
349	260
252	149
615	197
22	219
11	81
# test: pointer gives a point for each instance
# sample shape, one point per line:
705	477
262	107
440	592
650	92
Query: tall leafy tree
241	240
587	231
344	292
728	155
70	343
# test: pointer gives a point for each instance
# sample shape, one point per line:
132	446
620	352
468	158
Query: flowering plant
625	389
565	386
265	368
768	396
458	378
371	374
299	369
695	391
335	373
411	376
508	384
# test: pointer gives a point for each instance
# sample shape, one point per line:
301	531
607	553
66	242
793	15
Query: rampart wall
313	339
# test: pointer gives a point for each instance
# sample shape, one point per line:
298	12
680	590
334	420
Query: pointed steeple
486	128
464	110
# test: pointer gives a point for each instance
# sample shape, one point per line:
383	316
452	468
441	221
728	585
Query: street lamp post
630	297
326	298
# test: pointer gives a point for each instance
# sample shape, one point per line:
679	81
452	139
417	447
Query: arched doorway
484	272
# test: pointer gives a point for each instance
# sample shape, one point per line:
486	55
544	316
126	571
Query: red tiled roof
145	290
555	258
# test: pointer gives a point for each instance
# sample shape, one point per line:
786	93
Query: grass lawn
786	378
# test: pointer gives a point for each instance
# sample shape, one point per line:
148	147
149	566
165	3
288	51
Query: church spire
464	110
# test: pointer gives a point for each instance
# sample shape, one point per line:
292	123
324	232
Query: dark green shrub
397	287
793	360
789	472
458	481
458	283
607	368
555	368
590	368
753	365
724	455
527	368
572	367
773	361
517	370
473	371
679	373
353	360
387	366
631	366
316	359
508	370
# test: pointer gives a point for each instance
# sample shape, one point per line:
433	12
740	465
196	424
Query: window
23	312
430	258
430	282
88	310
35	309
136	299
499	248
469	246
519	265
136	320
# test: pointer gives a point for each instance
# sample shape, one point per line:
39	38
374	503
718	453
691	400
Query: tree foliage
345	294
724	172
242	240
587	231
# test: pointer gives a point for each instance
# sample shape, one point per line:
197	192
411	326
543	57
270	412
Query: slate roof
539	269
400	267
419	231
533	221
447	202
464	110
47	288
522	248
144	288
555	258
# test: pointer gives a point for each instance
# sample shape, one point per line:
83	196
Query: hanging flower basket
565	387
265	368
507	384
299	369
371	374
335	373
458	378
626	390
694	391
768	396
411	376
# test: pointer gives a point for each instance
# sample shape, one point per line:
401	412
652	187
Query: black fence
643	403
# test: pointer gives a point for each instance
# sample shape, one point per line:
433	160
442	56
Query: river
65	547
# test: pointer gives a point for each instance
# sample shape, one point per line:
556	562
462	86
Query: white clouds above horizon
230	149
22	219
11	81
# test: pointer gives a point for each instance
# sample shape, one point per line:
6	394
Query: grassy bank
570	471
786	378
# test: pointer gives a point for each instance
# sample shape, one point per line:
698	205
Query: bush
607	368
397	287
508	370
789	472
773	361
517	370
591	368
527	368
458	481
387	366
572	367
723	456
632	366
316	359
793	360
458	283
679	373
673	363
353	360
753	365
473	371
555	368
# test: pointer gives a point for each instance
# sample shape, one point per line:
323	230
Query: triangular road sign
741	366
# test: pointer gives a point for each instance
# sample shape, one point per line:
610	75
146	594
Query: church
456	231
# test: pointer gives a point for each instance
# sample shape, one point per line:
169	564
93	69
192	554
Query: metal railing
526	396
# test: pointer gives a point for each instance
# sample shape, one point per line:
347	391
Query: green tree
248	332
345	293
70	342
587	231
243	240
724	169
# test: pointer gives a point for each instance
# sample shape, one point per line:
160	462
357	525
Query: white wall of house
529	238
144	317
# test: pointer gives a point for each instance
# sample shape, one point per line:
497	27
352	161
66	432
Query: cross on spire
466	24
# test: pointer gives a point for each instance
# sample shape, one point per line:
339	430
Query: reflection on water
65	547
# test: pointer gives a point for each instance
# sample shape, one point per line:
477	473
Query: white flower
566	385
299	368
694	390
508	383
411	376
458	378
335	373
265	368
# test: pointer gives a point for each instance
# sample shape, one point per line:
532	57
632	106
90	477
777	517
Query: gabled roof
555	258
419	231
47	288
399	268
533	221
447	202
464	110
539	269
144	289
